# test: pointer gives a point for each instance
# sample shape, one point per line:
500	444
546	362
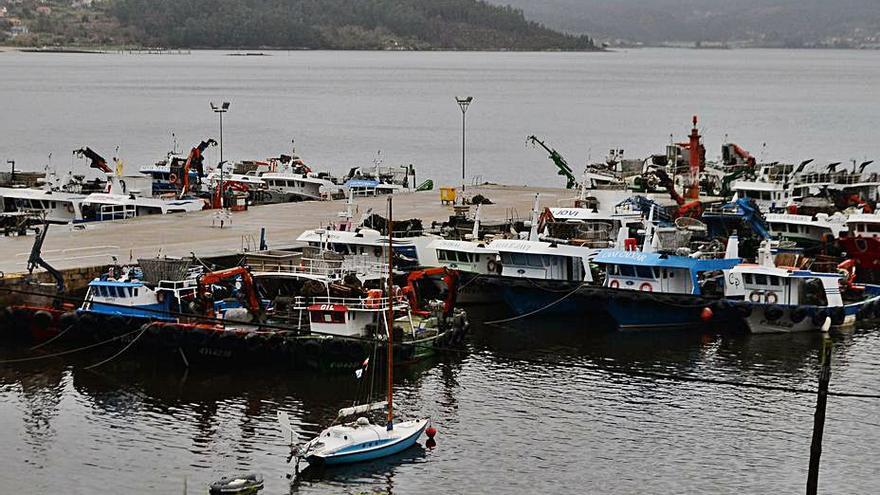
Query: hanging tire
42	319
798	314
838	315
819	317
773	313
744	309
68	320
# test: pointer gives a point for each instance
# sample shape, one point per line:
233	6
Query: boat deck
94	244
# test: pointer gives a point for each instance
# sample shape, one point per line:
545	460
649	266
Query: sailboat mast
389	317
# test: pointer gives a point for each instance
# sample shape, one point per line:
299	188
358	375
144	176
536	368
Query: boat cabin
466	256
543	260
370	242
863	225
805	229
658	272
56	207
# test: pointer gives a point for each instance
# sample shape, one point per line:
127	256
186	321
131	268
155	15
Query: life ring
755	296
172	178
160	297
491	266
771	298
646	287
798	314
614	284
374	297
69	207
861	244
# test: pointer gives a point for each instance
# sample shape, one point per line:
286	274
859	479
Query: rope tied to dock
143	329
543	308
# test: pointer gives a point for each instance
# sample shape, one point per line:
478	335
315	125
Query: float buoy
706	314
431	432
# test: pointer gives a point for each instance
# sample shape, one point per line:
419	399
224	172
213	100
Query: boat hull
635	310
370	454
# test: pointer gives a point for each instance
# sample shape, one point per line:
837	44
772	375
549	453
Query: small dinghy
237	484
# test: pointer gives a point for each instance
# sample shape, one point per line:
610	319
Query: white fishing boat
299	187
775	298
102	207
806	230
362	440
54	206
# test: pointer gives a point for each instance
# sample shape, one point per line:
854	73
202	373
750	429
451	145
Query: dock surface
94	244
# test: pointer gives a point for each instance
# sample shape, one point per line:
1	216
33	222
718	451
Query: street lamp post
463	103
220	110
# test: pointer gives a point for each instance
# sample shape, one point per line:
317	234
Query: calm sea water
542	406
342	107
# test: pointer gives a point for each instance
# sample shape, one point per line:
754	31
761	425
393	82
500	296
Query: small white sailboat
362	440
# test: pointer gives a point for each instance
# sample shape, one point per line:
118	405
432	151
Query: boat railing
352	303
324	267
116	212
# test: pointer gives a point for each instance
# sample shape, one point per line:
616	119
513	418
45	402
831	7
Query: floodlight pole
220	110
463	103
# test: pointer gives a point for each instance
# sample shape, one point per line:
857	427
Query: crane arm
247	282
561	164
36	260
195	158
98	161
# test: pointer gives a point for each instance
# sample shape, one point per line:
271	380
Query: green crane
564	169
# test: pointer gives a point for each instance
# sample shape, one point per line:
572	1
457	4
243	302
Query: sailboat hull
373	448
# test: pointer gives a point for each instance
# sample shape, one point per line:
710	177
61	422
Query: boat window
760	279
662	272
463	257
519	259
793	228
774	280
873	227
536	260
747	278
627	270
441	255
644	272
134	292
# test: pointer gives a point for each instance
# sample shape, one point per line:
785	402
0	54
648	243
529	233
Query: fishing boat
774	297
54	206
861	241
362	440
806	231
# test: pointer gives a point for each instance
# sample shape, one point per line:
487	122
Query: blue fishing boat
645	290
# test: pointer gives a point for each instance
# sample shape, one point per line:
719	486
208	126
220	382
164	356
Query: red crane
248	286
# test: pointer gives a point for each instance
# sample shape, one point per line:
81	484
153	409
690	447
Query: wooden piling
819	419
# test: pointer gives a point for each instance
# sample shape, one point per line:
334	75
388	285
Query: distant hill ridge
326	24
762	22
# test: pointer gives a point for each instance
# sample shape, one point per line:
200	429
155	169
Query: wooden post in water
819	419
389	318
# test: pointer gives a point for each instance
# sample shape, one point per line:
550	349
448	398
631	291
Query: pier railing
325	268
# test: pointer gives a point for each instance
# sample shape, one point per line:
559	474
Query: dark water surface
534	407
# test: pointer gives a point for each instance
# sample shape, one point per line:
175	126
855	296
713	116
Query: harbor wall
25	289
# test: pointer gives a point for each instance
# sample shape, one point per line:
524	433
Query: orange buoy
431	431
706	314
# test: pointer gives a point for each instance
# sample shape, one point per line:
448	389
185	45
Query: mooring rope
142	329
530	313
53	339
71	351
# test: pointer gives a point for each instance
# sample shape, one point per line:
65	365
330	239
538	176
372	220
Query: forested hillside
332	24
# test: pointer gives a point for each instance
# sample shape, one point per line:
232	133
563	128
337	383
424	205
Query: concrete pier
94	244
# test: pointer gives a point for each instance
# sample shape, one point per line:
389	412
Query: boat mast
389	319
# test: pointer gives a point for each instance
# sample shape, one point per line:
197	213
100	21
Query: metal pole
819	419
462	149
389	318
221	138
12	175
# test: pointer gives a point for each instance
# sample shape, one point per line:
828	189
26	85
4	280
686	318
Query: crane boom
98	161
561	164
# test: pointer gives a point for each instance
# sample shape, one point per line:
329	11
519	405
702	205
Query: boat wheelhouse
101	207
804	230
862	244
540	260
768	195
410	251
299	187
54	206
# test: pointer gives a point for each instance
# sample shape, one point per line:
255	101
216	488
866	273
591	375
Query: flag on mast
360	371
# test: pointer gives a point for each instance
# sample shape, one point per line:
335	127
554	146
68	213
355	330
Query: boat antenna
533	228
476	232
173	143
389	320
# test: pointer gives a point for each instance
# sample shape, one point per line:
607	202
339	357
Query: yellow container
447	195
